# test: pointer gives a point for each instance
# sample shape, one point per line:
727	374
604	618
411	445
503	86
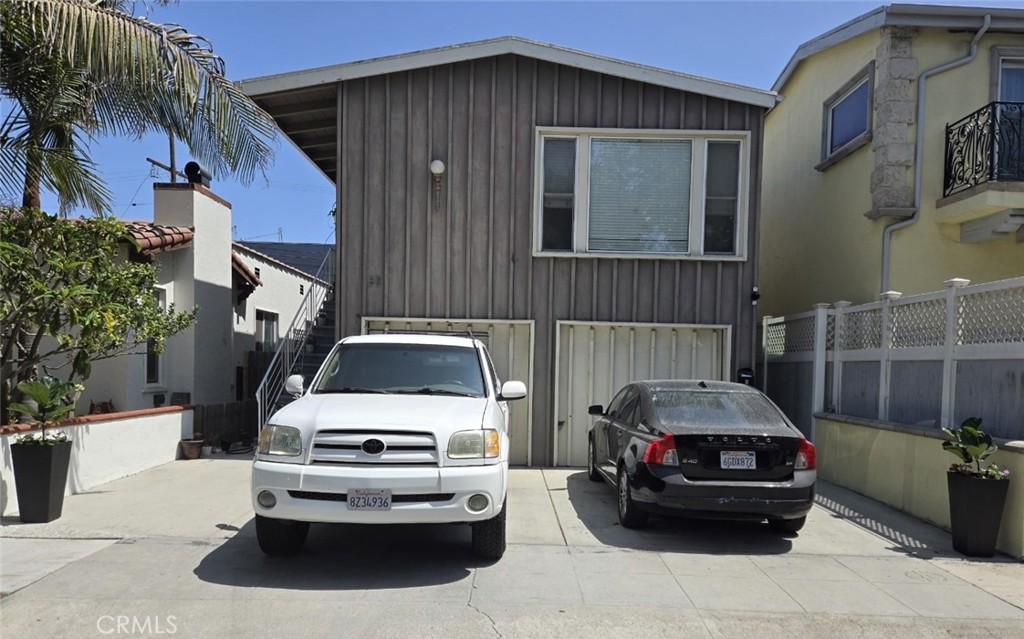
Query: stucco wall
106	448
906	468
817	246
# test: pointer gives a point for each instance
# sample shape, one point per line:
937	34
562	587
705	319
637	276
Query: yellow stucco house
895	158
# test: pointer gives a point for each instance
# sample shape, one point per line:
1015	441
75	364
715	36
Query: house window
846	119
154	360
266	331
659	193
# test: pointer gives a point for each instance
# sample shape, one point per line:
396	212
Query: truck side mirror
293	385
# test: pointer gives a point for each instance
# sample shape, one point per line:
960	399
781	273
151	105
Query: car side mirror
596	409
293	385
511	391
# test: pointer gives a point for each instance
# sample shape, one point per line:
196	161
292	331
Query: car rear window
713	409
403	368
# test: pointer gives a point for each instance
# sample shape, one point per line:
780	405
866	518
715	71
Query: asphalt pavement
172	552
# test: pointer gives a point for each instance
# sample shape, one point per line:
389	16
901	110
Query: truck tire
280	536
787	525
489	536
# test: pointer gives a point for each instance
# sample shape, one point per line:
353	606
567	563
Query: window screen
559	190
721	197
639	195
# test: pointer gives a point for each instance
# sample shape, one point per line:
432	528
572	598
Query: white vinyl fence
930	360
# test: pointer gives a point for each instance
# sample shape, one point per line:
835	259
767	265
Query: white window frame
161	359
698	182
256	328
830	156
1000	55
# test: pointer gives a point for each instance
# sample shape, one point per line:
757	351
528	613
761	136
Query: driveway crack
494	624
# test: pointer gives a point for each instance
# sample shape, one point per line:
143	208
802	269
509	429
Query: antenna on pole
170	170
280	234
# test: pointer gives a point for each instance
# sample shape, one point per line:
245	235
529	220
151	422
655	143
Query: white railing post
949	350
885	342
837	355
820	358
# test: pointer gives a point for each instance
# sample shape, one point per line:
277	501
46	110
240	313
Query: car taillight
805	457
662	451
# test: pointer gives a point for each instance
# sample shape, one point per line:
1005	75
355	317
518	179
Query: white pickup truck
393	429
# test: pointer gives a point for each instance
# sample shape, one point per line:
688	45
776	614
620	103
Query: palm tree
74	70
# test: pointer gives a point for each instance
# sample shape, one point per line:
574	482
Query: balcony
983	185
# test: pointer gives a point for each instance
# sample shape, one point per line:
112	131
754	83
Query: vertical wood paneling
471	256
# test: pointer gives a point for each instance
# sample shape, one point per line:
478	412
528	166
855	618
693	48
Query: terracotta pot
191	448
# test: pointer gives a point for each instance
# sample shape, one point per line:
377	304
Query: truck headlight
474	444
280	440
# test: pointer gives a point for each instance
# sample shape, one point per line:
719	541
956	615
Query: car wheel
489	536
787	525
592	471
629	515
280	536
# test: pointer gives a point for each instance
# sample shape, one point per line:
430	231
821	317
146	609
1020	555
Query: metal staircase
315	318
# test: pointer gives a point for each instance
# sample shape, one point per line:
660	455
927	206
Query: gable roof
503	46
302	256
904	15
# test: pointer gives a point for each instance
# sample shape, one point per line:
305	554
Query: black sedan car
704	449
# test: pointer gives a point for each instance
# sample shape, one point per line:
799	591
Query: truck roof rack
481	335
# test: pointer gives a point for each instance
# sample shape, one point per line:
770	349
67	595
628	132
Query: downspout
919	148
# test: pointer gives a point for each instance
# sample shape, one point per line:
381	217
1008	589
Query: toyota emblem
373	447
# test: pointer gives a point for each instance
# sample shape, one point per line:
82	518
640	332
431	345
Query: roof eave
309	78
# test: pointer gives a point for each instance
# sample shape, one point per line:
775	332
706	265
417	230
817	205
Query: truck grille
401	448
395	499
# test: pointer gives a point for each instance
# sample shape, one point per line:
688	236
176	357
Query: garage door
510	344
596	359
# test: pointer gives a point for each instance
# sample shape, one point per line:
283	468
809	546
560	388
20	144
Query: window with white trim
650	193
266	331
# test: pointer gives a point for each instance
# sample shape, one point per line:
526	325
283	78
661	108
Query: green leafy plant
50	403
973	446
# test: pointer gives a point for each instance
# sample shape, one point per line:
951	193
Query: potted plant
192	448
977	491
41	460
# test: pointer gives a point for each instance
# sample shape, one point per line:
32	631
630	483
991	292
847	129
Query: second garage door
596	359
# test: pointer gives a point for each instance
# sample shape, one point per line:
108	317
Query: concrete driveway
172	551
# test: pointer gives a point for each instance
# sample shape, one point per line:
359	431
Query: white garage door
597	359
510	344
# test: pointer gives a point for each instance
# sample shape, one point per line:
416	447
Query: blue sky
743	42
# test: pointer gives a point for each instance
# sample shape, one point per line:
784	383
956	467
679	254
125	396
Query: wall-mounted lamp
437	171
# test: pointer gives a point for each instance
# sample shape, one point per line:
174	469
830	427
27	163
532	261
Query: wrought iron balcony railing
986	146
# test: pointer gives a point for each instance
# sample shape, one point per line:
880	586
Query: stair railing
283	362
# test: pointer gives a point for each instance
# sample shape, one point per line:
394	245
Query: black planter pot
41	474
975	510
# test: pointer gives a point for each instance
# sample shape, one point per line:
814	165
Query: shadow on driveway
347	557
595	505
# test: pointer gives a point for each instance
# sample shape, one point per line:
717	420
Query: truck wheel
280	536
489	535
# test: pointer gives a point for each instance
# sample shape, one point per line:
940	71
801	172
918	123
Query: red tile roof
157	238
243	269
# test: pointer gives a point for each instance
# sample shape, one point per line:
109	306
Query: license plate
369	499
739	460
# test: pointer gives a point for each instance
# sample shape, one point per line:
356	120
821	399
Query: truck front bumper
420	495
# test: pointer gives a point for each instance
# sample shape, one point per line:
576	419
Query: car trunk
737	456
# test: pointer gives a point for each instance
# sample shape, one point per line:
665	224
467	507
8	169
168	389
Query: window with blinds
660	193
639	195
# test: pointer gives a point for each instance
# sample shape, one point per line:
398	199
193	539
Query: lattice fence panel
991	317
919	324
830	333
793	336
862	330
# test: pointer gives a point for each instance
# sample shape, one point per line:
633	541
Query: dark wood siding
470	257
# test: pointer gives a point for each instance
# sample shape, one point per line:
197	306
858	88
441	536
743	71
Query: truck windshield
427	369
